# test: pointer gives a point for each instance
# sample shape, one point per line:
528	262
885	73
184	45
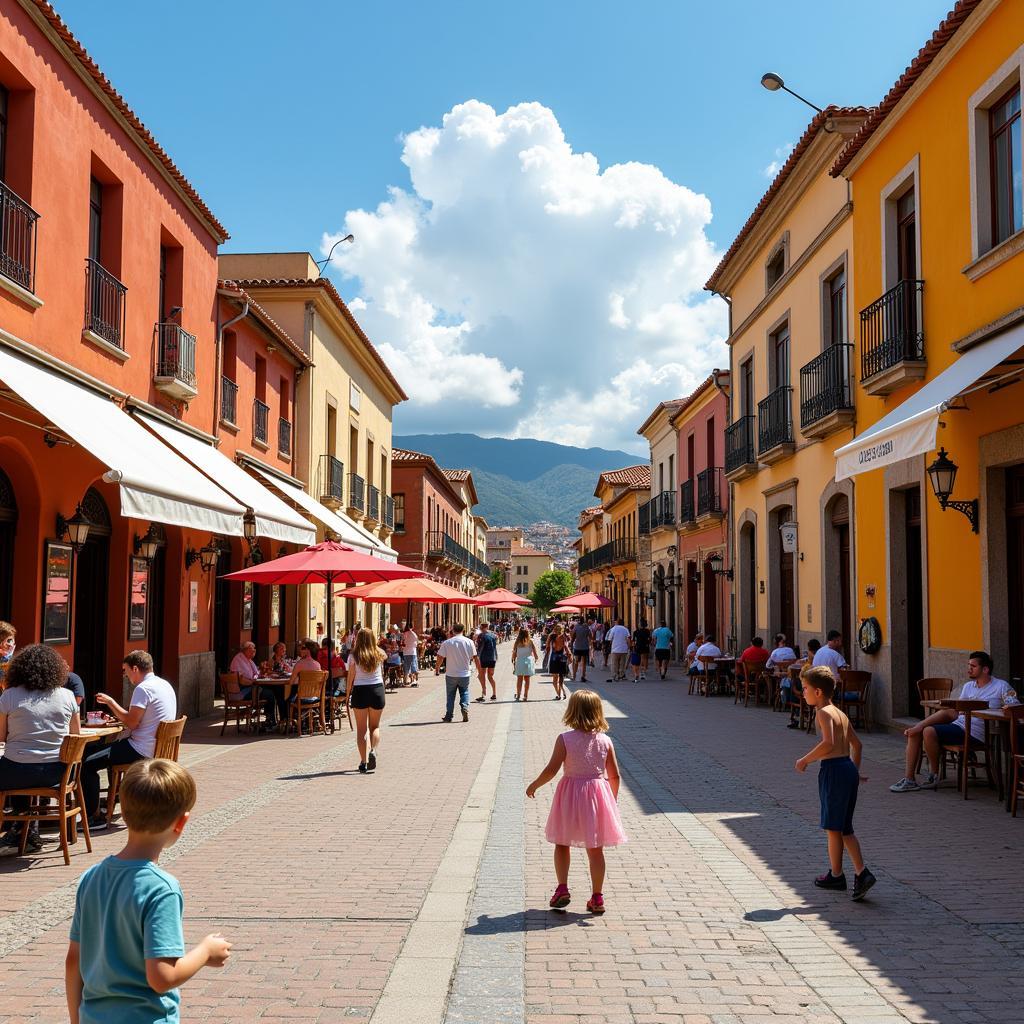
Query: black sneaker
861	884
35	842
465	715
830	881
98	823
371	761
362	770
446	719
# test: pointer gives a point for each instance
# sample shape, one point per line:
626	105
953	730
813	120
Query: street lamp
322	264
147	545
76	529
717	565
773	83
942	474
206	557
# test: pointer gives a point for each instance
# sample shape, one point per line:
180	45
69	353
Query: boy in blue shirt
126	957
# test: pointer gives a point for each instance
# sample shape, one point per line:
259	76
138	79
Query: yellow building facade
621	493
938	241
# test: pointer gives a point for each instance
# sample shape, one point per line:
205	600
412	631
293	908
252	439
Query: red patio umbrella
504	606
502	595
585	599
422	591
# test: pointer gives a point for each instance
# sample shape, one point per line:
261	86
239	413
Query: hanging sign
788	531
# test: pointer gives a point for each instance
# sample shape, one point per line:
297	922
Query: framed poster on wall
275	605
138	598
57	593
193	607
247	605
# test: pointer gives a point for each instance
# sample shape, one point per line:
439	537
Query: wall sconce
717	565
75	530
206	557
695	578
249	526
672	551
942	474
147	545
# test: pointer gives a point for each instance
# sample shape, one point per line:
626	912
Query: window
399	513
835	309
747	387
778	352
95	219
1005	166
775	267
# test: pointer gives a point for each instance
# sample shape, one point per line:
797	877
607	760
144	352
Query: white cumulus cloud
781	156
516	288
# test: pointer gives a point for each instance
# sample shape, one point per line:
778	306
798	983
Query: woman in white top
365	695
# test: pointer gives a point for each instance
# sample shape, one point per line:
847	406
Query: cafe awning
911	428
155	483
348	532
274	519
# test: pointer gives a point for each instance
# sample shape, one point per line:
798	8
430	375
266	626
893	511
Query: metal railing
389	512
659	511
260	418
709	491
331	478
739	443
774	420
228	400
891	329
17	239
441	546
825	384
373	503
686	502
356	492
176	354
284	436
104	304
478	566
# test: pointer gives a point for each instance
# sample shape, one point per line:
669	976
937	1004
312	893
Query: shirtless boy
838	779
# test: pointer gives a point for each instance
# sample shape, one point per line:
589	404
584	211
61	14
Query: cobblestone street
419	893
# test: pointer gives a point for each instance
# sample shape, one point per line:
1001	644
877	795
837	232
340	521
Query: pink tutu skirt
584	813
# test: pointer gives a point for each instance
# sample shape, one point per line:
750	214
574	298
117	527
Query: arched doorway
782	584
748	583
8	528
710	584
670	604
92	581
690	609
837	569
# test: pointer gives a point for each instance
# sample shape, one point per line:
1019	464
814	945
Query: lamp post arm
802	99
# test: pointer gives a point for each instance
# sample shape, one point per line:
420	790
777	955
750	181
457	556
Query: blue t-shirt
126	911
487	646
662	638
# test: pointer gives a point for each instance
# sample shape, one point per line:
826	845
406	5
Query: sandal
596	904
561	898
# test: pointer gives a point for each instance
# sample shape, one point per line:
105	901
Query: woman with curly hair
36	713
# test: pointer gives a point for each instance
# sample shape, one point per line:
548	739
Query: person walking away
457	655
839	752
524	661
618	638
126	956
642	648
36	713
580	648
663	638
596	640
364	693
410	663
438	635
487	652
585	810
153	701
559	660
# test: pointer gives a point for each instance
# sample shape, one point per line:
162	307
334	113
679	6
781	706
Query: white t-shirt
833	660
244	666
409	641
37	722
157	698
619	638
598	633
708	650
364	678
458	653
994	693
782	654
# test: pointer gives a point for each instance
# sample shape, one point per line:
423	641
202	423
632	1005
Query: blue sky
287	121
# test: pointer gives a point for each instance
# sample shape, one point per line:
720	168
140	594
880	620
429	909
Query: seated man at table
243	664
756	653
153	701
831	655
77	688
946	726
691	654
708	649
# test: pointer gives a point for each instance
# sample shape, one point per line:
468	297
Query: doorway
222	610
837	568
748	588
691	601
710	581
155	626
1015	568
786	575
8	527
92	580
914	603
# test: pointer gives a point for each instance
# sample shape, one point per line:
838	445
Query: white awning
911	428
349	532
156	484
274	519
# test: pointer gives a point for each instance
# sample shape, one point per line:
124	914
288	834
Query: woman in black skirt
365	694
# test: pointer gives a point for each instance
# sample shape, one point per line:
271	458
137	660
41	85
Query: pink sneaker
560	899
596	904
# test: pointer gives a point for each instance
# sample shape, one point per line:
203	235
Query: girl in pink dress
584	811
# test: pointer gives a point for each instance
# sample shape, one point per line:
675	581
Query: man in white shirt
153	701
410	665
457	655
831	655
946	727
248	671
782	651
691	654
618	637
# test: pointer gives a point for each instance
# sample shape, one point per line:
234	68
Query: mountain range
522	481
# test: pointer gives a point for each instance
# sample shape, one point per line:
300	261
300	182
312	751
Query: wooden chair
854	687
308	702
243	707
775	679
750	675
167	745
708	672
934	688
966	754
70	804
1016	713
337	708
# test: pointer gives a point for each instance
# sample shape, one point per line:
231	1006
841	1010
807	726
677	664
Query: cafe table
92	733
286	683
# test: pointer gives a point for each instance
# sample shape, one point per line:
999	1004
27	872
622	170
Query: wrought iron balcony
775	425
17	239
739	447
479	567
624	549
709	492
228	400
331	480
356	493
826	399
444	548
284	436
260	421
175	362
389	512
373	503
686	515
658	513
892	339
104	304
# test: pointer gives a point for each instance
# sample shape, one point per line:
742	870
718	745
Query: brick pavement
338	888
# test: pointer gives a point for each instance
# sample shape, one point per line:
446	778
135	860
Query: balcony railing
686	502
373	503
356	492
175	360
441	546
17	239
284	436
104	304
331	478
658	512
774	420
228	400
739	444
891	329
709	491
389	512
825	385
479	567
260	418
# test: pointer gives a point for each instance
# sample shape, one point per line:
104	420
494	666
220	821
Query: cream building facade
526	566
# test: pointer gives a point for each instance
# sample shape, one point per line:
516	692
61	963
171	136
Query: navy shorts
662	654
838	779
949	734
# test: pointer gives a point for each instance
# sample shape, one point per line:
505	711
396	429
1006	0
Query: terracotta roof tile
262	316
407	455
817	123
631	476
943	34
716	376
92	69
588	515
529	552
458	475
